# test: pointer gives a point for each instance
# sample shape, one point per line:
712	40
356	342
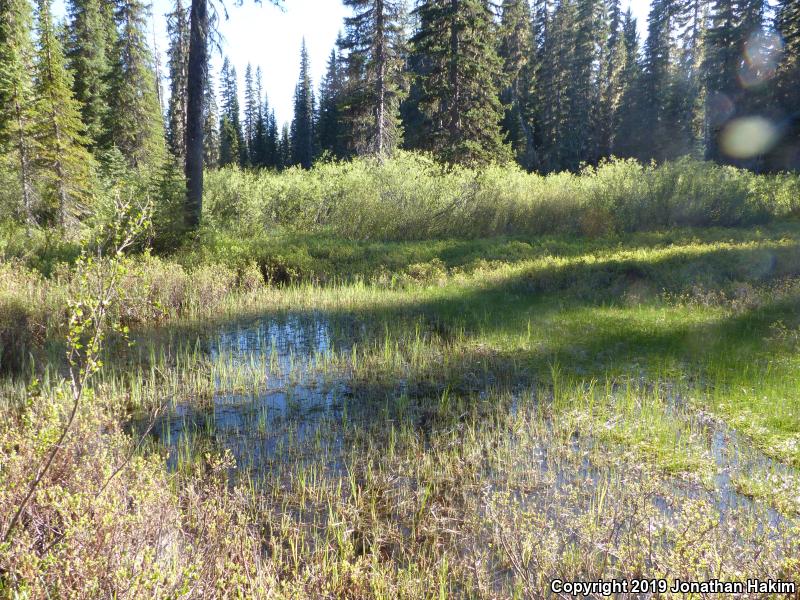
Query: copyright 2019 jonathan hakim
611	587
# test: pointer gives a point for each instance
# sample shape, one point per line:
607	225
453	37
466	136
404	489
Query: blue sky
270	37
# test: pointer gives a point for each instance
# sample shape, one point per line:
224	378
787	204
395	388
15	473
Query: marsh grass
471	422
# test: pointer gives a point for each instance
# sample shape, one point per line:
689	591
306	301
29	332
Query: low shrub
411	197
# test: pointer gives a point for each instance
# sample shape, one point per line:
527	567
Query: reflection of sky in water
259	425
286	339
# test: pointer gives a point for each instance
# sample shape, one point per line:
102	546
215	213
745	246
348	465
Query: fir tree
273	154
579	134
553	85
302	132
178	63
657	72
787	89
16	95
137	127
229	150
230	124
329	133
460	81
197	111
64	160
721	69
375	55
611	67
628	124
90	51
252	112
537	107
258	151
516	49
284	149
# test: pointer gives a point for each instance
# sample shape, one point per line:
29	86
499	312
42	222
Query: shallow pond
297	413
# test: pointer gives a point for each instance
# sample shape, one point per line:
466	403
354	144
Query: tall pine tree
252	113
284	148
302	132
516	51
232	142
16	97
178	63
459	85
374	47
64	161
580	132
722	56
258	144
137	127
628	124
787	88
329	128
90	50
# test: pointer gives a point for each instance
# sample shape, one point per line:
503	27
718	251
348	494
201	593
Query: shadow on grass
592	317
324	259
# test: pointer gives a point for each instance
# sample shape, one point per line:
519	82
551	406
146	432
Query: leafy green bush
411	197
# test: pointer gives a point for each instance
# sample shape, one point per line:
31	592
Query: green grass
513	408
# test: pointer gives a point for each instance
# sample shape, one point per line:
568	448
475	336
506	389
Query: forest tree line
551	84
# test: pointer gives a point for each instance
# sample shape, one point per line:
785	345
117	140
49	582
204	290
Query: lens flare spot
747	137
760	59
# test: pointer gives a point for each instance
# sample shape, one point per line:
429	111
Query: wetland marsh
470	427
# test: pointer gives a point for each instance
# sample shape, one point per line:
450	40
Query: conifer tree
413	117
64	161
554	85
788	82
302	132
90	51
258	150
273	158
229	150
537	107
693	30
628	123
611	66
137	127
459	85
211	141
197	111
178	63
516	49
329	133
284	148
230	123
252	112
579	134
720	69
374	46
16	96
658	56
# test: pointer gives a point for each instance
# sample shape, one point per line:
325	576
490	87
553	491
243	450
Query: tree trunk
380	60
196	76
24	166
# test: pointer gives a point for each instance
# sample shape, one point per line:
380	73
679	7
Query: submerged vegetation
310	405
